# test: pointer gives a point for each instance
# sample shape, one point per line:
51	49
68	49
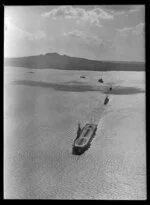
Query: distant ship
106	100
100	80
84	138
82	76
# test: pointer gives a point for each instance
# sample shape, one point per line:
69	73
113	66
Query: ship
100	80
84	138
82	76
106	100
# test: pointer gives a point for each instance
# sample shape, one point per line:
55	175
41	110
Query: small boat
106	100
100	80
84	138
82	76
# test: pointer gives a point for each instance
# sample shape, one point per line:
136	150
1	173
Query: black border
147	11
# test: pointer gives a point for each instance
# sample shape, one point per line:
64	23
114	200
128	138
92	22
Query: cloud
87	45
81	15
64	11
88	38
74	33
129	43
122	9
83	44
136	8
138	29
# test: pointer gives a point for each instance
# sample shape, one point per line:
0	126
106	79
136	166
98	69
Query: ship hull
106	101
79	150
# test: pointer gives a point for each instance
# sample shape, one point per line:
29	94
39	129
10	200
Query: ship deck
86	134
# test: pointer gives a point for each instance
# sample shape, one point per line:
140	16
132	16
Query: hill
64	62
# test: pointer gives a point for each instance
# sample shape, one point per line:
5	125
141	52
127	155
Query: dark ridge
74	87
63	62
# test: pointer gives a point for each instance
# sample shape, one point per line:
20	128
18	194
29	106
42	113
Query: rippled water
40	126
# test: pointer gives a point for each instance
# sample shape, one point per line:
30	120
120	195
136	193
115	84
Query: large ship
84	138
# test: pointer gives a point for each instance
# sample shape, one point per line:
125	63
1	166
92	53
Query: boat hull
106	101
79	150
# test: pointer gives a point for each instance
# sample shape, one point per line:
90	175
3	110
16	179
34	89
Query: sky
97	32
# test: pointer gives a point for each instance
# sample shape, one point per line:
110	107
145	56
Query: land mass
64	62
